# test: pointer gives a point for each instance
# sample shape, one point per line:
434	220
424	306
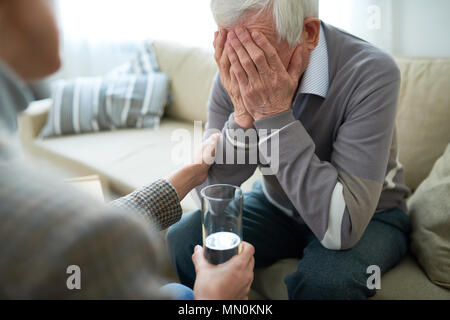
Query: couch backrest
191	72
423	122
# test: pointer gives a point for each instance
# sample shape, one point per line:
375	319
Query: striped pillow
107	103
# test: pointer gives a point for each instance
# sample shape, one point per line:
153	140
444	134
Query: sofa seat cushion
126	159
406	281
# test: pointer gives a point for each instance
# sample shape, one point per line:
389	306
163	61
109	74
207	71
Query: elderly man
328	99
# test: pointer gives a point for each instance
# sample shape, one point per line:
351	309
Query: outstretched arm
160	201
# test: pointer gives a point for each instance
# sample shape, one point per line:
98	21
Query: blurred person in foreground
45	226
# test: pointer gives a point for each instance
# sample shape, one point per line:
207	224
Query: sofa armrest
32	120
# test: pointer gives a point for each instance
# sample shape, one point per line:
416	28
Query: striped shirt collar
316	77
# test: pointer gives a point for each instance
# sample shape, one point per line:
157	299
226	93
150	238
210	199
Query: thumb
247	250
199	259
295	65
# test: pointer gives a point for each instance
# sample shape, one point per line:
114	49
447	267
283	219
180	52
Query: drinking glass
221	222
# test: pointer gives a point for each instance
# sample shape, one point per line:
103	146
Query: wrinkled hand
229	281
266	87
229	81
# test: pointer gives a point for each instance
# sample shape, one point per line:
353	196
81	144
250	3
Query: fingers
255	53
247	249
237	69
243	57
215	38
295	65
225	64
251	263
270	52
234	85
247	253
234	82
221	56
235	92
220	37
245	257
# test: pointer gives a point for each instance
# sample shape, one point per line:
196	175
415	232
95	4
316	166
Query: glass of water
221	222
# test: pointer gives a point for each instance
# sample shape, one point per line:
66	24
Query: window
185	21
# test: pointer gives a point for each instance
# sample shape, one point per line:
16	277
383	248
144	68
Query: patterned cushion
94	104
133	95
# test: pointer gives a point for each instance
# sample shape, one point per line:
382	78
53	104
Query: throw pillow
94	104
430	216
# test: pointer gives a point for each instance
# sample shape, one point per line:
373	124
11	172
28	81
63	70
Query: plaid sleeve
157	202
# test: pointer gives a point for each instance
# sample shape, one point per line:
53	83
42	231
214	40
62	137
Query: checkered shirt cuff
157	202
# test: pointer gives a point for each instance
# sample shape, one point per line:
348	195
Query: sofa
128	159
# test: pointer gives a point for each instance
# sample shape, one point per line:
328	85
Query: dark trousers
321	273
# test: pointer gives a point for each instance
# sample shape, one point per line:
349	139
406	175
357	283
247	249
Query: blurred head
286	23
29	41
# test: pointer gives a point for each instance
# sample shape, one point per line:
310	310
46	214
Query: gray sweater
338	162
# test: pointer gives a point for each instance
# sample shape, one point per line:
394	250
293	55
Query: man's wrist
276	122
275	112
244	122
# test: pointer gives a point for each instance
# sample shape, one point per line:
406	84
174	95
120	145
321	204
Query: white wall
421	27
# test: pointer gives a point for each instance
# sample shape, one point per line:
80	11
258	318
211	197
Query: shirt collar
316	77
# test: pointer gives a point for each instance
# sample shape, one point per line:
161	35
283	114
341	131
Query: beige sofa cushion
127	159
423	120
191	72
405	282
430	216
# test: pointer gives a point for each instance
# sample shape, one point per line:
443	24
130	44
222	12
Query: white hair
288	15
